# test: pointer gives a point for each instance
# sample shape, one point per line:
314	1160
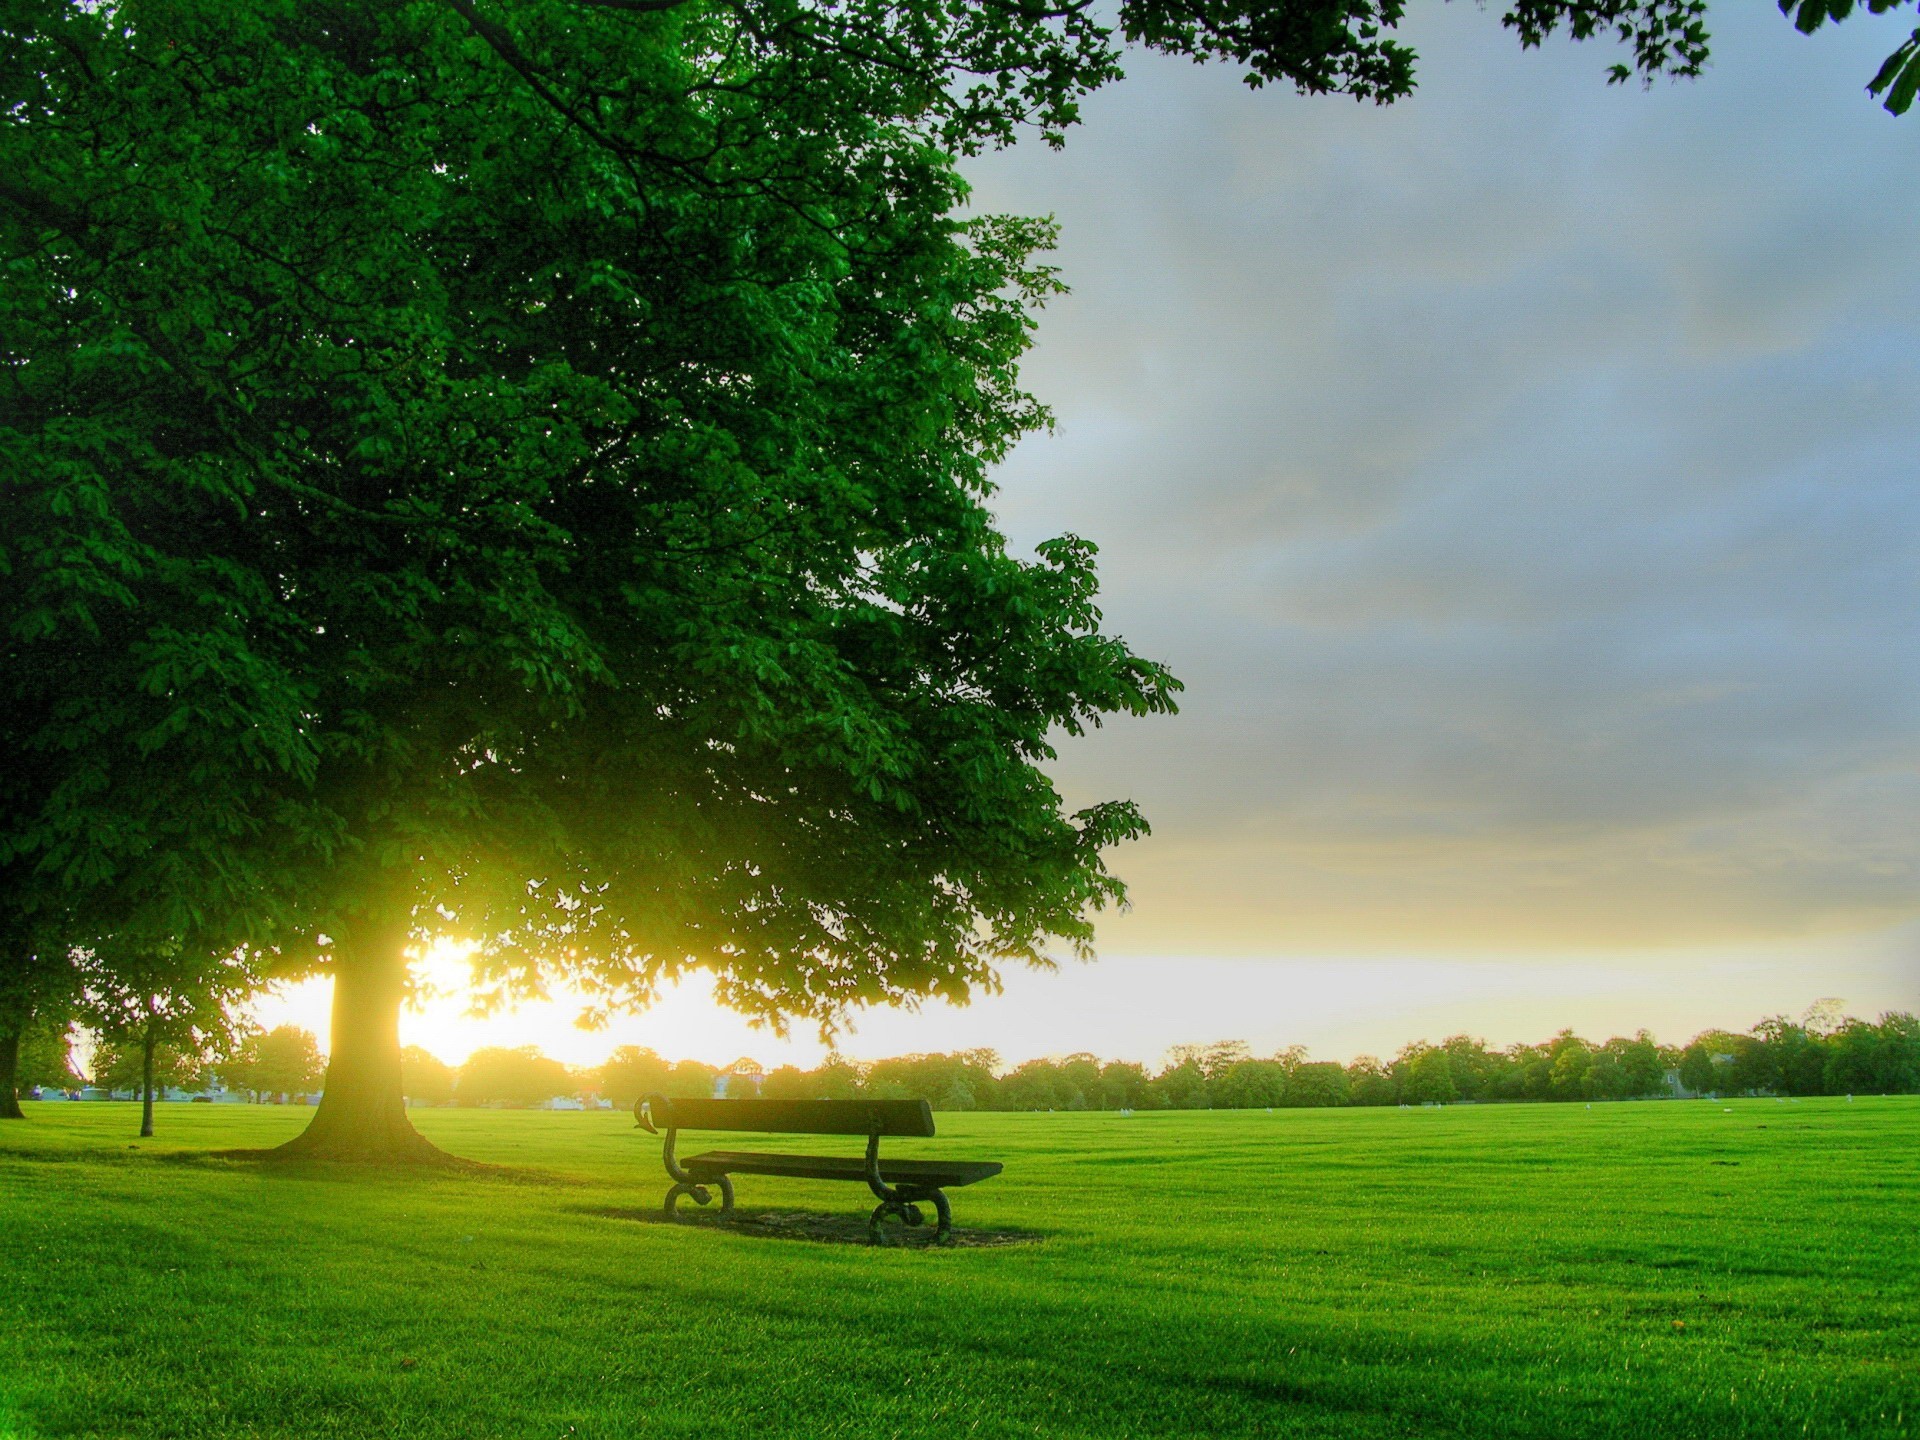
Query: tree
1429	1077
1248	1085
630	1072
285	1060
1643	1066
1317	1083
119	1065
839	1078
425	1079
1184	1083
691	1080
1371	1083
531	464
518	1076
788	1082
1125	1085
700	649
177	1016
1697	1069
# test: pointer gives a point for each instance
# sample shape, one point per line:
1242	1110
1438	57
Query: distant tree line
1823	1053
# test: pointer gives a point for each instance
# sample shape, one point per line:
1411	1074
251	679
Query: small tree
630	1072
519	1076
123	1065
1696	1069
285	1060
146	998
424	1078
1371	1083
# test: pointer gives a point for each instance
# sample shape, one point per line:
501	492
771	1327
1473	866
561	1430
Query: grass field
1746	1268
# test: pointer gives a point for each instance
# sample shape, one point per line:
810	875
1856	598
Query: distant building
739	1081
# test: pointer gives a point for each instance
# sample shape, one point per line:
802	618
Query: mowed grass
1744	1268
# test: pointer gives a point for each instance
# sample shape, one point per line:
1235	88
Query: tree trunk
361	1114
9	1078
146	1080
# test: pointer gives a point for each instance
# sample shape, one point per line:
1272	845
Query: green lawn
1747	1268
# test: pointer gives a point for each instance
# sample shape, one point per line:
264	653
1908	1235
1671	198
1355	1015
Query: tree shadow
436	1165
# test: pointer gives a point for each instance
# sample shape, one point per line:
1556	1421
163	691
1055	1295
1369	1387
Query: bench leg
702	1196
909	1212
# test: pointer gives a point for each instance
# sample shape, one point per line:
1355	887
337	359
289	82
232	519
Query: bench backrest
792	1117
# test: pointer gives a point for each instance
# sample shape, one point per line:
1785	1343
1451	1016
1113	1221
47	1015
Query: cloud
1521	478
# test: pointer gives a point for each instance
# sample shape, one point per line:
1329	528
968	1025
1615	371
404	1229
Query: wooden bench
902	1185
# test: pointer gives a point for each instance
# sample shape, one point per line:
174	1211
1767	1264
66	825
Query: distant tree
424	1078
1184	1083
285	1060
1606	1077
1039	1085
518	1076
1864	1058
1529	1074
1900	1052
1248	1085
1696	1069
839	1078
1754	1068
1126	1086
630	1072
1429	1077
1571	1057
691	1080
789	1082
1221	1056
1371	1083
961	1080
1642	1064
1474	1068
1318	1083
1825	1016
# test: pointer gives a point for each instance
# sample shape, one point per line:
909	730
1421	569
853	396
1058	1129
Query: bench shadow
820	1227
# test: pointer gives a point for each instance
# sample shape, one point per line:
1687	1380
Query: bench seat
925	1174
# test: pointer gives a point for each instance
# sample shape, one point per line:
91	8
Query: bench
901	1185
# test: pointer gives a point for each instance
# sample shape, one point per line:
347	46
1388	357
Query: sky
1520	479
